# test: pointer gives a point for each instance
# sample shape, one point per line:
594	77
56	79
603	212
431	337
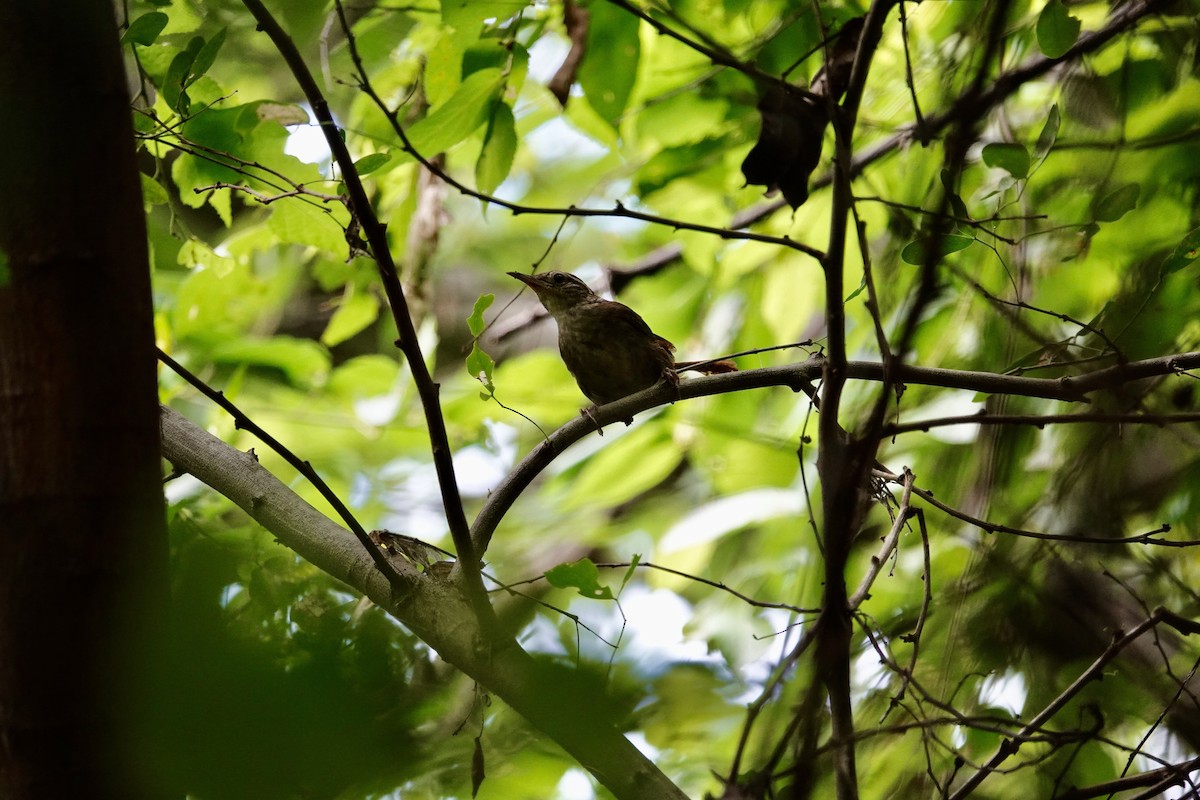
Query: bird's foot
590	413
672	378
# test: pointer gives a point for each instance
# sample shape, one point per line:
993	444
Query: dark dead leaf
576	20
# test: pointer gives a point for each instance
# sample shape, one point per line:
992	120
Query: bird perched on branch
609	349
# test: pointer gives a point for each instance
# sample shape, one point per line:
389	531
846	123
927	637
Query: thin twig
243	422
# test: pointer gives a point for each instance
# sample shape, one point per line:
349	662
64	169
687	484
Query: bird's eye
559	279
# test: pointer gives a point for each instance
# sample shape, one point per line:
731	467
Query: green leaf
629	573
1049	134
368	164
582	576
635	463
1184	254
475	321
914	252
458	117
172	87
145	29
466	17
610	67
304	362
353	314
957	206
862	285
281	113
152	191
207	55
1117	204
1008	156
1057	30
499	146
480	365
299	222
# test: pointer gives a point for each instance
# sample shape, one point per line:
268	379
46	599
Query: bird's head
558	291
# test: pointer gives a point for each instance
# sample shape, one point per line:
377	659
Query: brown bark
81	515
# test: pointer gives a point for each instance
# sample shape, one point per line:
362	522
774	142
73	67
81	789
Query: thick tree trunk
81	517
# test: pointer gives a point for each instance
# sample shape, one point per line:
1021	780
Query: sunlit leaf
301	222
475	322
499	145
481	367
634	561
458	117
610	65
467	17
354	313
368	164
581	575
282	113
303	362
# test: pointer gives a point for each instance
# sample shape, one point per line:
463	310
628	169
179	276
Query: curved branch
798	377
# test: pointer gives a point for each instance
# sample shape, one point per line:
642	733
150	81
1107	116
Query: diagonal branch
572	715
375	232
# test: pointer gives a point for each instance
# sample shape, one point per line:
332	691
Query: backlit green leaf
475	321
458	117
481	366
499	145
467	17
368	164
303	362
583	576
610	66
353	314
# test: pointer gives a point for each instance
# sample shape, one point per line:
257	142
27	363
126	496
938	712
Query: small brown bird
609	349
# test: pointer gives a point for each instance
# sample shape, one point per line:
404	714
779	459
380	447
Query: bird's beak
528	280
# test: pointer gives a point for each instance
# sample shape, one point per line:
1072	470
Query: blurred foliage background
1075	215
